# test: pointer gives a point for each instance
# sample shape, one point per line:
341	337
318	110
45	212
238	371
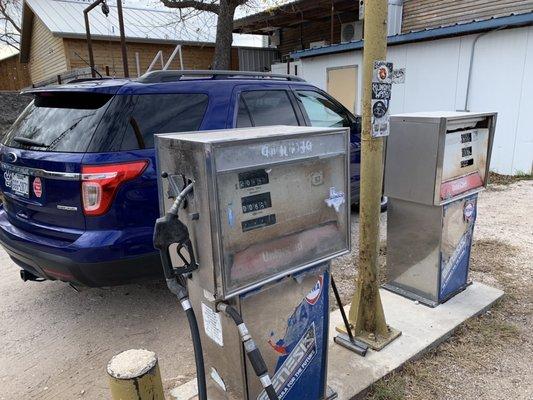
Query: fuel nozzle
170	234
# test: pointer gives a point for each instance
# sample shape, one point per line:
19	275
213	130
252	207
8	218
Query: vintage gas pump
265	210
436	164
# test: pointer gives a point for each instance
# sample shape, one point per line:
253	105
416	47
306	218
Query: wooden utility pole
123	40
366	312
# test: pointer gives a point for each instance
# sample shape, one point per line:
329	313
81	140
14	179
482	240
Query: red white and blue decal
300	371
314	295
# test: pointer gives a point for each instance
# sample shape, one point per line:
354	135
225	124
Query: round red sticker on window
37	187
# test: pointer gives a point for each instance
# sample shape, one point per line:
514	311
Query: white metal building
478	66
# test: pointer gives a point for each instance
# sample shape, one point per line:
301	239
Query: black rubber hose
235	316
271	392
198	355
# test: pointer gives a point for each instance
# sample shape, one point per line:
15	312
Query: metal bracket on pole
367	319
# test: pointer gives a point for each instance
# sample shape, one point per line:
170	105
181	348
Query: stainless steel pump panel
267	201
436	164
436	157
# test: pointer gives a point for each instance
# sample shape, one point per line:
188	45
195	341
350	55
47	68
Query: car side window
322	111
131	122
265	107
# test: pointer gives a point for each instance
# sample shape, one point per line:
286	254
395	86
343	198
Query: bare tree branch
10	29
5	14
197	4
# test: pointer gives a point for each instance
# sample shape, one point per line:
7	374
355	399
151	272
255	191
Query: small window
322	111
243	116
132	121
266	107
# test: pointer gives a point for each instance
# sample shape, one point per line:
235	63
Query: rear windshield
77	123
58	122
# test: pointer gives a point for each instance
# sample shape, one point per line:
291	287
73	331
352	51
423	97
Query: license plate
20	184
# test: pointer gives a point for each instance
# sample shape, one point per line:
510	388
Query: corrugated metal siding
47	54
63	17
257	59
423	14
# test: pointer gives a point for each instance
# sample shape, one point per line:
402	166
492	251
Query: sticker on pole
212	325
381	95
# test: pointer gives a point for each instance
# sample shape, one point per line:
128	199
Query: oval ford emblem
11	157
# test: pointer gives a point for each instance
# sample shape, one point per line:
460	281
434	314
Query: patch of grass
498	179
390	388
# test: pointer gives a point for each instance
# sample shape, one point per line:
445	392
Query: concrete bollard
134	375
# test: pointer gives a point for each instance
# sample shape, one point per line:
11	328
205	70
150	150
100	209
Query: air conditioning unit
320	43
275	38
351	31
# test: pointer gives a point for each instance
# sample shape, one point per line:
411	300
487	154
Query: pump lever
169	230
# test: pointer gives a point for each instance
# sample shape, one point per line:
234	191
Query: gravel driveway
56	342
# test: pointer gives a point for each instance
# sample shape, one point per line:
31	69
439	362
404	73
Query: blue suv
79	178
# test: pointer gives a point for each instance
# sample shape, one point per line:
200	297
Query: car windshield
62	122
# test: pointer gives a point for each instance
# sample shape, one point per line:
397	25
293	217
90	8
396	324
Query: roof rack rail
79	80
176	75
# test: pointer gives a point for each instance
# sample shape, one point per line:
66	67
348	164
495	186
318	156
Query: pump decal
212	325
231	216
278	346
336	199
313	296
294	365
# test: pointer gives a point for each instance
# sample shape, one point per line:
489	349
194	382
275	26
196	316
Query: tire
384	203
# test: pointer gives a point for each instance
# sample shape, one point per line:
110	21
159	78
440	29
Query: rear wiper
138	134
29	142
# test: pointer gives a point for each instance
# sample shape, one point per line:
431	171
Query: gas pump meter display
270	201
281	216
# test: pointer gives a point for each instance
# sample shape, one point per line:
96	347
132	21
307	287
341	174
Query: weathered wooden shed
54	40
13	74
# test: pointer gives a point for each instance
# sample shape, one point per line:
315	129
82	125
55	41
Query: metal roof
293	13
428	34
64	18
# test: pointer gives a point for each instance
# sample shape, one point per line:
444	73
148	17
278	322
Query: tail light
100	183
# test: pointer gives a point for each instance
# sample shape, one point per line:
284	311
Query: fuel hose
253	353
197	345
169	230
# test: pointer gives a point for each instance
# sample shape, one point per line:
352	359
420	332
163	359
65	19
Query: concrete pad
423	328
186	391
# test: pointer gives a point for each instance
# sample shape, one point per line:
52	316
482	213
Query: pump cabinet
436	164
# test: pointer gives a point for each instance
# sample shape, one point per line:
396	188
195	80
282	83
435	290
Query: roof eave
512	21
130	39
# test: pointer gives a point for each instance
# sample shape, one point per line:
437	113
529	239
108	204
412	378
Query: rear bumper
87	261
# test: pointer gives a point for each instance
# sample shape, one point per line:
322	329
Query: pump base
331	394
422	300
374	342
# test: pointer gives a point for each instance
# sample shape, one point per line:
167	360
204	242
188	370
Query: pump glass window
322	111
264	108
